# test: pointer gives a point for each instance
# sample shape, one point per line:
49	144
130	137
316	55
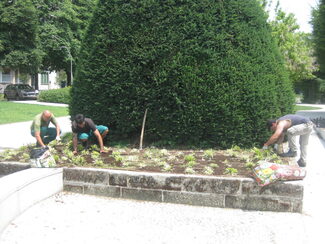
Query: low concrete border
20	190
211	191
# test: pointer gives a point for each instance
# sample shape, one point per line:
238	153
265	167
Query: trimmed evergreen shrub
208	71
61	95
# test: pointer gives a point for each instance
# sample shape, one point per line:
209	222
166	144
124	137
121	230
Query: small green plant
231	171
232	153
56	158
191	163
95	155
236	148
24	157
164	152
208	154
78	160
250	165
208	170
125	163
189	157
161	163
213	165
117	156
68	153
84	152
189	170
142	165
94	147
8	154
99	163
167	167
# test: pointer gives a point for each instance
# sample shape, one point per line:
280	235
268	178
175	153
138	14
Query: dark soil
235	163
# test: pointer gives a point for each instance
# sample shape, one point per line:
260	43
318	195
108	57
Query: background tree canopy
208	72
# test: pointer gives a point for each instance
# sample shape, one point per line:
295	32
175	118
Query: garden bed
234	162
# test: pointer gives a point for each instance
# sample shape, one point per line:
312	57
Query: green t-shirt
38	122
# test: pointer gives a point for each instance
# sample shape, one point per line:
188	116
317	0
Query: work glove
276	147
265	147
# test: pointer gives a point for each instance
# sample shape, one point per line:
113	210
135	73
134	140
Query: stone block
7	168
292	189
142	194
197	199
86	175
146	181
102	190
173	183
73	188
263	203
216	185
116	179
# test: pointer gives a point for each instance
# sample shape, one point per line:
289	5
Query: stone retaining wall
7	168
210	191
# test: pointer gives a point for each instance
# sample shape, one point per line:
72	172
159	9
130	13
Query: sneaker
289	154
301	163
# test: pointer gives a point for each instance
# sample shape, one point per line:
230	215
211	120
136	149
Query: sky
301	9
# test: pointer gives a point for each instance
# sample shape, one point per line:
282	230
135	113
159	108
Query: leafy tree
318	22
209	72
62	24
295	46
19	42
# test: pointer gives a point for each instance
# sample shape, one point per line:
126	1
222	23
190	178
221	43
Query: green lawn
299	107
17	112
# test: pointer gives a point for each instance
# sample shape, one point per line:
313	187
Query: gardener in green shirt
42	132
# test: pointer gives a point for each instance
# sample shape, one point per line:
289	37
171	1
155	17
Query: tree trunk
34	78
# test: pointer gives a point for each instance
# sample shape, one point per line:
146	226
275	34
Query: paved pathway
73	218
18	134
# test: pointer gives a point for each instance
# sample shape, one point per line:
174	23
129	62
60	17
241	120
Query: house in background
44	81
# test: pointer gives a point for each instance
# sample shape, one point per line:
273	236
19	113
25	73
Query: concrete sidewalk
16	135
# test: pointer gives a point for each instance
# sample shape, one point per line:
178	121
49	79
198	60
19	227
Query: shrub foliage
208	72
61	95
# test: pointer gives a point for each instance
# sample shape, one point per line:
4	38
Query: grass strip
18	112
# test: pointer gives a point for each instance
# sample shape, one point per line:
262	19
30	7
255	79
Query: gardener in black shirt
84	129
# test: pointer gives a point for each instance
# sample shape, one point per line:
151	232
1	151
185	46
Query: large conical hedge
208	71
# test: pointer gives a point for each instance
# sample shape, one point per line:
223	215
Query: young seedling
208	154
189	157
231	171
99	163
167	168
208	170
250	165
189	170
78	160
213	165
191	164
24	157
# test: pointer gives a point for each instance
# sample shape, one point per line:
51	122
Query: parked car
20	91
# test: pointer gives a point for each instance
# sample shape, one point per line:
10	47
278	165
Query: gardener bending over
84	129
292	125
42	132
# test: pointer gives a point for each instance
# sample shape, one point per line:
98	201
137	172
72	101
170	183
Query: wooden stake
142	130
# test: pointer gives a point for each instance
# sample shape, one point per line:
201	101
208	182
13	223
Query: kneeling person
42	132
84	129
